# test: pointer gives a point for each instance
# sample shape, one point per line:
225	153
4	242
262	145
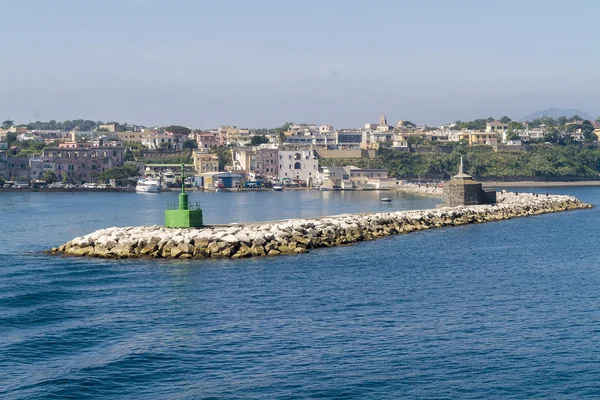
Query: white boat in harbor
278	188
169	177
148	185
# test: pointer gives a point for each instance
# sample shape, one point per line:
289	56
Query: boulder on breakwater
299	235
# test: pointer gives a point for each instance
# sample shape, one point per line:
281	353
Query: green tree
224	154
179	130
414	140
257	140
505	120
7	124
11	138
49	177
515	126
128	171
561	121
94	175
587	129
190	144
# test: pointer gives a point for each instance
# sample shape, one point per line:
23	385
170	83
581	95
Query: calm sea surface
499	310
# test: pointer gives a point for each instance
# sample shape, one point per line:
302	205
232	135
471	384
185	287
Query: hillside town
228	157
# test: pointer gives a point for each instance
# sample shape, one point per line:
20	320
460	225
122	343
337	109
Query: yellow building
483	138
136	137
205	162
110	127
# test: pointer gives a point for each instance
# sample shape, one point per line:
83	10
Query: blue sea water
499	310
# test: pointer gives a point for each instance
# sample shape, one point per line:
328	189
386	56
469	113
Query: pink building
206	141
79	162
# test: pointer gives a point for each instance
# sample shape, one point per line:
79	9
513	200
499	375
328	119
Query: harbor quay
297	236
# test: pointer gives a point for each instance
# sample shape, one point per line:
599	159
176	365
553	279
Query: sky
260	63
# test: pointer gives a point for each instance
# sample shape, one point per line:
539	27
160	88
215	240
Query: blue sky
259	63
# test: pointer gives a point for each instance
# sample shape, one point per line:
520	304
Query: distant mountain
557	112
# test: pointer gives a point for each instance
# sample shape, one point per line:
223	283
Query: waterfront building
3	164
298	165
351	177
78	163
220	180
260	160
17	169
205	162
36	168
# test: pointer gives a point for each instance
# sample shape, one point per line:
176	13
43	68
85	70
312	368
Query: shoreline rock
296	236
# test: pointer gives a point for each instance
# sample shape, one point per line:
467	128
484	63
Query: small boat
148	185
278	188
386	199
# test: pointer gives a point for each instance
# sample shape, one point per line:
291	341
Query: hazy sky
259	63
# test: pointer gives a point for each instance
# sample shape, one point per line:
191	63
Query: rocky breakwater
299	235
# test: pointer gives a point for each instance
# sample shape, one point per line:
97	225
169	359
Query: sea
503	310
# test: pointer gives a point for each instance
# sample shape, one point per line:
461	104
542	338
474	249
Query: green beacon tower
183	215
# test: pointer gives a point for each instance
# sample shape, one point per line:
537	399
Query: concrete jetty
296	236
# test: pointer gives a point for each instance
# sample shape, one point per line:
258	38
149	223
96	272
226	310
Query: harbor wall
299	235
422	190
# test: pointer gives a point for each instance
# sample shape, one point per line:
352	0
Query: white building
326	129
300	165
158	142
351	177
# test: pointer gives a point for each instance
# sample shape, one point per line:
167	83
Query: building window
298	165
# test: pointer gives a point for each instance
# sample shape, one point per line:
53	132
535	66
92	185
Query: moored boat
148	185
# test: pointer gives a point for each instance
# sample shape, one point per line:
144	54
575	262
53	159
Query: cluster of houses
289	156
285	165
67	157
